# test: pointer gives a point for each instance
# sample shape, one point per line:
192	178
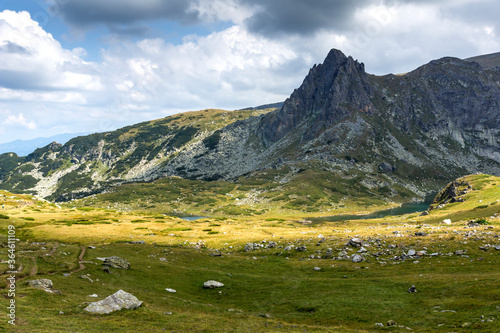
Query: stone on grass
317	268
355	242
43	284
249	247
301	248
211	284
391	323
411	252
117	301
116	262
447	221
356	258
170	290
412	289
271	245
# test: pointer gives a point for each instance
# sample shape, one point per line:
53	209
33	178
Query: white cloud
19	121
49	89
41	62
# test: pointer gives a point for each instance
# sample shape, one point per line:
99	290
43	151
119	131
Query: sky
73	66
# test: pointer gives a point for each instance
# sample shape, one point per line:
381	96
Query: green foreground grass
266	290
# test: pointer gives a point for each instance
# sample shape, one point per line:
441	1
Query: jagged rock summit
390	134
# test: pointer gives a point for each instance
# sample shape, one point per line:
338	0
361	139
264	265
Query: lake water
191	218
408	208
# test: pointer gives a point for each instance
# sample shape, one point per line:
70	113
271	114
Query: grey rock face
117	301
116	262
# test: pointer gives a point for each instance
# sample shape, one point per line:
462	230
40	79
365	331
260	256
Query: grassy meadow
270	289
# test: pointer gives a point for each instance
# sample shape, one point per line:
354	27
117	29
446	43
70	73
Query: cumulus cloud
19	121
259	55
33	60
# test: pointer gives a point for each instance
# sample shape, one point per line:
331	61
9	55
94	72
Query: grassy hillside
88	164
270	289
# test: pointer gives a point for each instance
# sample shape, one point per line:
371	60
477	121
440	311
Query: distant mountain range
24	147
395	136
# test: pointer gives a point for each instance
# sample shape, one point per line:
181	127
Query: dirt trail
80	260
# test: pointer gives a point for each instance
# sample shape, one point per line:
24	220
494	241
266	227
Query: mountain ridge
415	132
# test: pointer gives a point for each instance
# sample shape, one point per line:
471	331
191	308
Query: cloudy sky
71	66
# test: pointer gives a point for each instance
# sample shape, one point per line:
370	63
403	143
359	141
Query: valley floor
294	277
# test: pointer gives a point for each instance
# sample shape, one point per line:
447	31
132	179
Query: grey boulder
116	262
43	284
211	284
117	301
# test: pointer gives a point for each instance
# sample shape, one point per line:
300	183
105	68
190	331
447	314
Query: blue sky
72	66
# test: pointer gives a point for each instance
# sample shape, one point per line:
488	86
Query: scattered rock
356	258
171	290
141	242
447	221
391	323
411	253
459	252
425	213
264	315
211	284
412	289
117	301
106	269
420	233
288	248
355	242
116	262
93	295
86	277
249	247
271	245
44	284
301	248
317	268
379	325
216	254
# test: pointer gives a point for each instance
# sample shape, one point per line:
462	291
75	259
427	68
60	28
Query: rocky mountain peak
326	96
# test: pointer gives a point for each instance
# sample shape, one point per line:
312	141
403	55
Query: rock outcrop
117	301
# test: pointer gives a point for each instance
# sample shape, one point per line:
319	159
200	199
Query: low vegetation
272	288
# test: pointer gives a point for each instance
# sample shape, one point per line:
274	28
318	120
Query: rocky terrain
395	133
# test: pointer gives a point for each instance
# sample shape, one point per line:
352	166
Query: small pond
408	208
191	218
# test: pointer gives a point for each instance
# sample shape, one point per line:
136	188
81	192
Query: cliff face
443	117
416	132
328	95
